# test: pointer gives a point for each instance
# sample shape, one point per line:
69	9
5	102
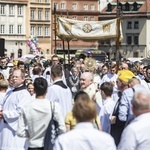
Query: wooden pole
55	51
118	37
64	50
118	44
68	52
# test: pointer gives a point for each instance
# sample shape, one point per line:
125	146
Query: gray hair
141	100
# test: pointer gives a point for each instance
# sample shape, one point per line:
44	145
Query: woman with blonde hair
70	120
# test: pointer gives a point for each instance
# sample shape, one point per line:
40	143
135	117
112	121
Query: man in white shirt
108	107
136	135
35	117
111	76
47	72
84	136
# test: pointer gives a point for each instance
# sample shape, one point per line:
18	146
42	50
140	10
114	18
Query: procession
93	106
74	78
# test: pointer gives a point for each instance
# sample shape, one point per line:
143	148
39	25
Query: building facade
13	27
40	24
135	20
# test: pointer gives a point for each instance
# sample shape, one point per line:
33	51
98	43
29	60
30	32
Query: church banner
69	29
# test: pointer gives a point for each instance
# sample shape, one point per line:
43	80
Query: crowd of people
104	107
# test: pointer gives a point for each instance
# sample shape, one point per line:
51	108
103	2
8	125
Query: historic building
40	24
135	16
13	26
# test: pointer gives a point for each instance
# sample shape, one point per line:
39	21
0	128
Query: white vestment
91	90
61	95
11	107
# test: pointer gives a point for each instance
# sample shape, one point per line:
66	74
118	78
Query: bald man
136	135
87	85
125	66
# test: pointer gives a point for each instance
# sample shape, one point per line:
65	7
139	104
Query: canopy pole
55	51
64	50
118	44
68	52
118	36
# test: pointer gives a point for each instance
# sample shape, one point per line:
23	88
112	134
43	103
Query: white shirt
111	78
136	135
36	117
105	114
84	137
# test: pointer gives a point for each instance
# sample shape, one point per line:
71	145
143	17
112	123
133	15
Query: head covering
125	75
15	62
10	65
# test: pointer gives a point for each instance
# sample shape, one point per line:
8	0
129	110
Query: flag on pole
69	29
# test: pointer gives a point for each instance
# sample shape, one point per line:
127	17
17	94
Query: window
109	7
32	14
63	6
39	31
135	8
11	29
46	1
56	5
127	7
2	11
129	25
74	6
47	31
85	6
11	10
46	14
136	40
32	30
20	8
85	18
136	25
74	17
19	29
129	39
40	14
2	30
92	18
92	7
39	1
47	51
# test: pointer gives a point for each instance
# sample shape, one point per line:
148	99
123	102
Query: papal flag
68	29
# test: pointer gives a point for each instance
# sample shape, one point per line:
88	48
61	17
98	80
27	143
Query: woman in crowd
70	121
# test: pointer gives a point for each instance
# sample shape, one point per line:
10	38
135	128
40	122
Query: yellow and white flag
87	30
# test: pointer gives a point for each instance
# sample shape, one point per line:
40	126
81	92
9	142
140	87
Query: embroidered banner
68	29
